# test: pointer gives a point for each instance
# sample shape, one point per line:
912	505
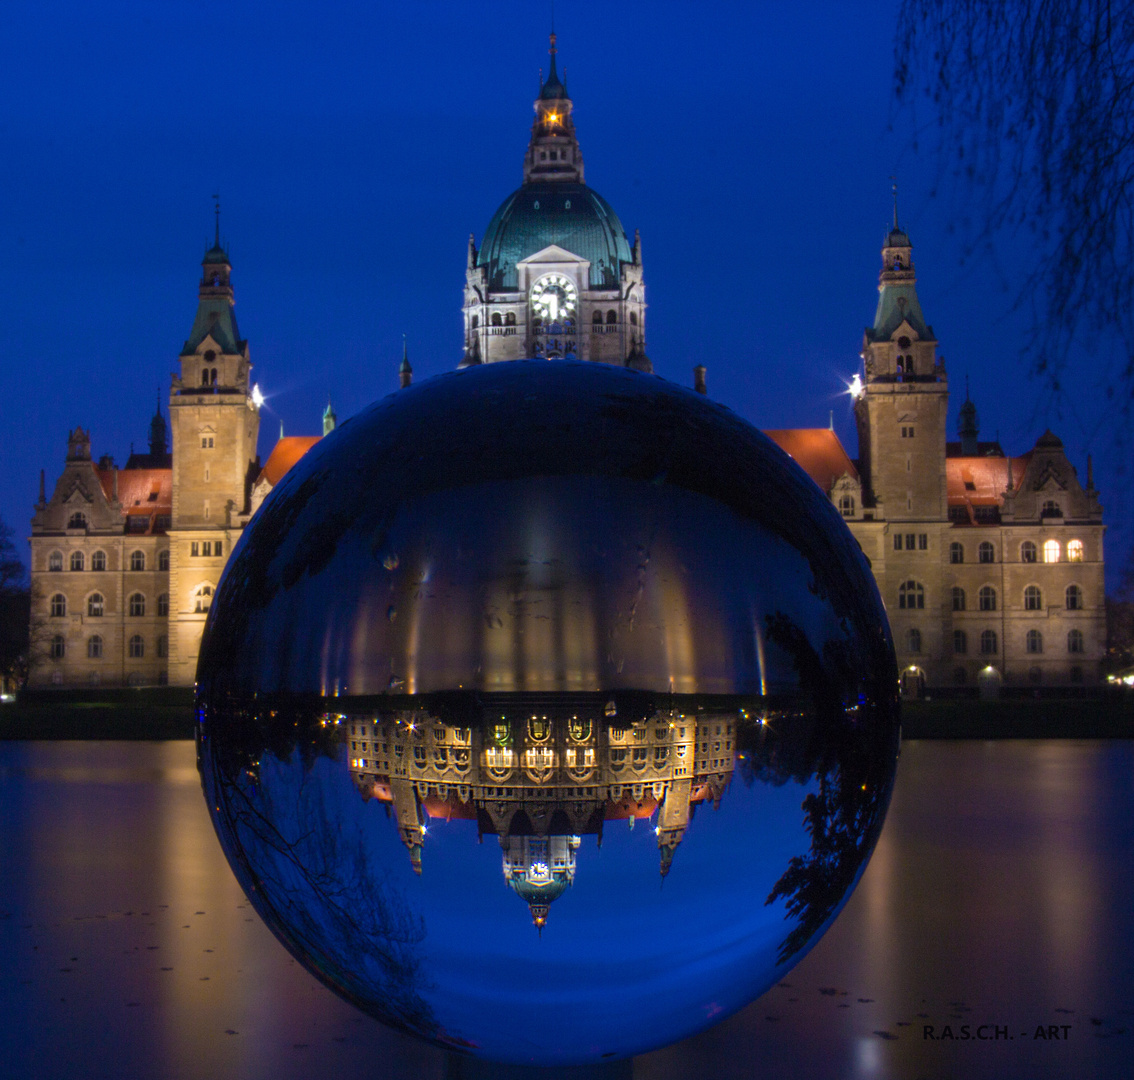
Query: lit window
986	598
98	560
1027	551
1075	551
77	560
1051	551
1074	598
58	605
1033	598
137	560
94	605
202	598
1034	641
94	647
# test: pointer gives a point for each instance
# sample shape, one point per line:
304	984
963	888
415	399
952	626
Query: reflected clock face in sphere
547	712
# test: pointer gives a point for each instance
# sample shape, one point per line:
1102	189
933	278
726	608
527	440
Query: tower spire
216	212
553	153
405	372
894	190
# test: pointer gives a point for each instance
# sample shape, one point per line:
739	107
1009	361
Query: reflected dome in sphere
508	652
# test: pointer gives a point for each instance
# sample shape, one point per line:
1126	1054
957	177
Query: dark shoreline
165	713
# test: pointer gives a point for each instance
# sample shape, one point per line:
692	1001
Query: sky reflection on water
1001	890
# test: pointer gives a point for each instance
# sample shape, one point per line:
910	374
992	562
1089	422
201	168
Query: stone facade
990	566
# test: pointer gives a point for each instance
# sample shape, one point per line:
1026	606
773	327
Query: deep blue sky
356	146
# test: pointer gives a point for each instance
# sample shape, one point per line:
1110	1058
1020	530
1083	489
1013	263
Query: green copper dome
570	215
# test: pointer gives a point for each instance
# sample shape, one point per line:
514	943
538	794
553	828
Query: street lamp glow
257	396
855	387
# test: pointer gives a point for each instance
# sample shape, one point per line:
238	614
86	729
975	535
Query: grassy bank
163	712
1109	717
157	712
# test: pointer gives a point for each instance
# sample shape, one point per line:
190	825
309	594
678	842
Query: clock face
554	298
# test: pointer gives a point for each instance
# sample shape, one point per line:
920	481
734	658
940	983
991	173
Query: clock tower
555	276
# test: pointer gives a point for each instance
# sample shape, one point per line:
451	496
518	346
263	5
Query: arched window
205	377
956	552
611	317
911	596
163	560
78	520
510	319
137	560
163	646
214	378
58	605
1033	598
137	647
1027	551
1074	598
78	560
1051	509
94	647
55	561
596	319
58	647
989	646
913	641
95	605
633	318
1051	551
1033	641
986	552
475	322
497	320
137	604
1074	550
846	506
958	598
960	642
1075	641
163	605
98	560
986	598
202	598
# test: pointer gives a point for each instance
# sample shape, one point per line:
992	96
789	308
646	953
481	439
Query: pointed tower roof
215	314
553	89
897	291
329	419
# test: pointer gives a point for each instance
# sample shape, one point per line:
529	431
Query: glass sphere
547	711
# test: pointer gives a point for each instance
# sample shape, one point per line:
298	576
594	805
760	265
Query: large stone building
990	565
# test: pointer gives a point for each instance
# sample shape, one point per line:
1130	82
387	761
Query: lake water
999	901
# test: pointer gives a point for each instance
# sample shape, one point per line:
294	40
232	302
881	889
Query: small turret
78	445
405	372
329	419
968	425
637	360
553	153
159	445
699	383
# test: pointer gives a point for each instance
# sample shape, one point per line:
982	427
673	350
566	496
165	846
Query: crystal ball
547	711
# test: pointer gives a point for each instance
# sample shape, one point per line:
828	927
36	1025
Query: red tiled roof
817	451
981	481
143	493
284	455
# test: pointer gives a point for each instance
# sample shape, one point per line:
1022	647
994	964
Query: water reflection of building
543	781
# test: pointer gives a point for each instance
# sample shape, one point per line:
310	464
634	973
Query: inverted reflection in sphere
547	711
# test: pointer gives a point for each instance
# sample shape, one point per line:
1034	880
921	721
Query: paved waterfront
1001	896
